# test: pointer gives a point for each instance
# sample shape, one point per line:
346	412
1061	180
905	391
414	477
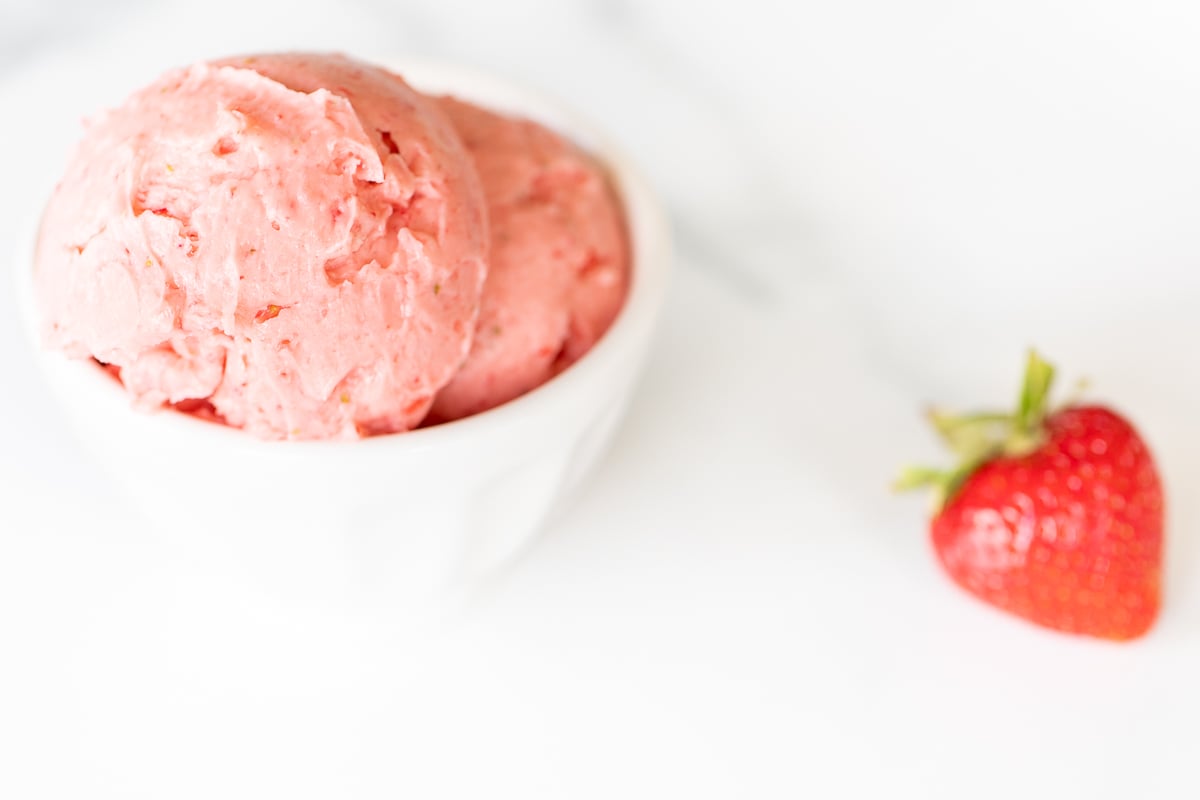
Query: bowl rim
650	264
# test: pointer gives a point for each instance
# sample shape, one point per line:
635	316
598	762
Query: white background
876	205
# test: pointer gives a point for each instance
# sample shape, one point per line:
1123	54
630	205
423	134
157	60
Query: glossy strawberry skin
1069	536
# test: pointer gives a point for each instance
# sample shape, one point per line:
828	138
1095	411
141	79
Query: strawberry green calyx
979	437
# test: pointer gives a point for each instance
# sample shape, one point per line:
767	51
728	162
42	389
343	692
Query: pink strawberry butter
559	261
295	243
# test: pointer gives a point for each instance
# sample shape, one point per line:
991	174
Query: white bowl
395	516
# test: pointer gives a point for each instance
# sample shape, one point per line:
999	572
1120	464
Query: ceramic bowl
412	511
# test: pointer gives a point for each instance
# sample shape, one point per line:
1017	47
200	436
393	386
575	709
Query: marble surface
876	204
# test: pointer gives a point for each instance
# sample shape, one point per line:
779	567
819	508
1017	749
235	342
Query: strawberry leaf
970	436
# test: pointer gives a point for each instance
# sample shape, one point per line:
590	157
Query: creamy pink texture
559	262
297	240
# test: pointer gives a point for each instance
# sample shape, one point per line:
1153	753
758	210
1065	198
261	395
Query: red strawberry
1058	519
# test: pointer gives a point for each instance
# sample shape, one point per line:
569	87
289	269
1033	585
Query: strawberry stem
1031	408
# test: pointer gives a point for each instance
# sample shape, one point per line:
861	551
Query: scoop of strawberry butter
559	261
296	243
